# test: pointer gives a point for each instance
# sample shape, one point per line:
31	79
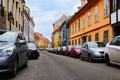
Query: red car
75	51
67	50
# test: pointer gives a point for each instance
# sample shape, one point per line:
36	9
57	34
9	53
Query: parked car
67	50
112	51
58	50
33	52
76	51
55	50
62	50
13	52
92	51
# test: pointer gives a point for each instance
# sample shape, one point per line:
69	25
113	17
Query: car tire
14	69
90	58
107	60
26	62
81	57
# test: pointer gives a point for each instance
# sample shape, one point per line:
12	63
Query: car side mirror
21	42
86	47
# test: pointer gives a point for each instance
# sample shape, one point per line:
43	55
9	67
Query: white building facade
31	29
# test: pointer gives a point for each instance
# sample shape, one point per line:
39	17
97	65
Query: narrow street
56	67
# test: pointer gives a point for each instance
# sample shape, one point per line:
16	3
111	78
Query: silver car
112	51
13	52
92	51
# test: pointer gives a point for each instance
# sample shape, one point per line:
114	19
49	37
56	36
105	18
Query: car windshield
7	36
31	45
96	44
78	46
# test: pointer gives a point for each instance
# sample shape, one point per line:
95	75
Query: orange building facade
91	23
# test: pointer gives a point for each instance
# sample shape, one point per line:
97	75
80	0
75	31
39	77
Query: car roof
2	31
92	41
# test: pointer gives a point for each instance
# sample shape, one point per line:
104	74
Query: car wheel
14	69
107	60
81	57
89	58
26	62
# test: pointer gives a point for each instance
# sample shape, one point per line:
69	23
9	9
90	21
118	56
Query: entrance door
84	39
117	30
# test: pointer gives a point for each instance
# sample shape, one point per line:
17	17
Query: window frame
89	38
106	37
106	8
79	41
97	37
114	5
96	13
79	24
75	26
83	22
89	18
1	2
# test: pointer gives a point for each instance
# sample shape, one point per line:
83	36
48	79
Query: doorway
116	30
84	39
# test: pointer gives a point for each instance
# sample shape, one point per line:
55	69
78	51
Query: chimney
79	8
83	2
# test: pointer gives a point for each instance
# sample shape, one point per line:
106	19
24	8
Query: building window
9	5
89	18
105	8
83	22
105	36
118	4
13	1
1	2
72	42
97	37
114	5
69	42
17	5
96	13
76	42
79	24
75	27
79	41
72	29
89	38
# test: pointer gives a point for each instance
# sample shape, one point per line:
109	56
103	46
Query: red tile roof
41	36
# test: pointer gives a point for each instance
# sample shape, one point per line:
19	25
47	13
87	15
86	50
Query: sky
46	12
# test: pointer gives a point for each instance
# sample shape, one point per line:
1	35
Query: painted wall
100	26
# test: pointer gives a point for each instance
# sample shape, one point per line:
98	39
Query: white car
112	51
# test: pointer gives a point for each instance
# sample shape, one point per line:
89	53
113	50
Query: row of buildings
95	20
15	16
41	41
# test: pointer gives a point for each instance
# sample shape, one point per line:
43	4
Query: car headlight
7	52
96	52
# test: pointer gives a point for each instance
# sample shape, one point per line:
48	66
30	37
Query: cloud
46	12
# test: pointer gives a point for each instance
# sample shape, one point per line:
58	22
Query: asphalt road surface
57	67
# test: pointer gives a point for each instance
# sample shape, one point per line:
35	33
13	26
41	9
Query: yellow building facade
56	35
91	23
44	43
14	7
57	38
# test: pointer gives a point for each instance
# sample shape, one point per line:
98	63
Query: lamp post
10	19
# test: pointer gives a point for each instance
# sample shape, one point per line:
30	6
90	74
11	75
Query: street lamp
10	18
